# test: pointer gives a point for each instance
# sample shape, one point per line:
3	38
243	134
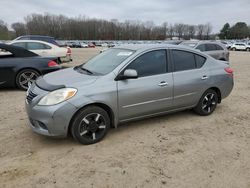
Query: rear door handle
163	83
204	77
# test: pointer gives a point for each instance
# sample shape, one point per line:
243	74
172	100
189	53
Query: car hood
65	78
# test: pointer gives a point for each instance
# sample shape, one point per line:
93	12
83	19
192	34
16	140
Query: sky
216	12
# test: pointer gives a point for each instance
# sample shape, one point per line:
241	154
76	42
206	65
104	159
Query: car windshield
190	44
107	61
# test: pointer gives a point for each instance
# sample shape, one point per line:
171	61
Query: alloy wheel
209	103
26	77
92	127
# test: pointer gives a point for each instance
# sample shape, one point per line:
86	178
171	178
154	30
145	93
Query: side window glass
210	47
201	47
19	44
199	61
35	46
150	63
183	60
219	47
47	47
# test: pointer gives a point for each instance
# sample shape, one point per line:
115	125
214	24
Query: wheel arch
99	104
217	90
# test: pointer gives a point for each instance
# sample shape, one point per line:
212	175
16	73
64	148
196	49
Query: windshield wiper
88	71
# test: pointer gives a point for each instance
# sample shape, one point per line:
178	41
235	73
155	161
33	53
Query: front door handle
204	77
163	83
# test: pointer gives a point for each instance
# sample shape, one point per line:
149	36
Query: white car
240	46
84	45
45	49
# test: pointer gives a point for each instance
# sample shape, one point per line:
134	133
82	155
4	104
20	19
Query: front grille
30	96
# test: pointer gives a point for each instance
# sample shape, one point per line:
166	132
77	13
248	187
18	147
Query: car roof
145	47
39	41
17	51
36	36
136	47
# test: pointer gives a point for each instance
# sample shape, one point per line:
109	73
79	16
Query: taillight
69	50
52	64
229	71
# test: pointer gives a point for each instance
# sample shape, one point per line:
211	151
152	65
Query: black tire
24	77
234	49
88	127
248	49
207	103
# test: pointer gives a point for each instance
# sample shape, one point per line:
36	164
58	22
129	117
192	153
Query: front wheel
25	77
207	103
248	49
234	49
90	125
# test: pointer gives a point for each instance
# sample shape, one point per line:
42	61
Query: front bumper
50	120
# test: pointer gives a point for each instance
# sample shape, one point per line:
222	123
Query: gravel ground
177	150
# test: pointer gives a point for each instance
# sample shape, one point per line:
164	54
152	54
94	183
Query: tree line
238	31
83	28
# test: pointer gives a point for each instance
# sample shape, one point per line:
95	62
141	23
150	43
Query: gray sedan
123	84
214	49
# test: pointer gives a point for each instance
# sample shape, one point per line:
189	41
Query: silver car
126	83
214	49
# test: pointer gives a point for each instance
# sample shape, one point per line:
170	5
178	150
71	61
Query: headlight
57	96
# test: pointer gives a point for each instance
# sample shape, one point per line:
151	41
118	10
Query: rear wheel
248	49
234	49
25	77
90	125
207	103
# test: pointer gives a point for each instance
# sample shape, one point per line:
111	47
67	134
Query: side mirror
128	74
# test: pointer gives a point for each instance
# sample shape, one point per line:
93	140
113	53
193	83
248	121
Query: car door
190	78
151	92
38	48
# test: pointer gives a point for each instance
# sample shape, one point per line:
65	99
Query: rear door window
201	47
210	47
35	46
183	60
200	60
218	47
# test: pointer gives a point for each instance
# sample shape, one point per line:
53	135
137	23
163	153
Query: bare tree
207	30
19	28
200	31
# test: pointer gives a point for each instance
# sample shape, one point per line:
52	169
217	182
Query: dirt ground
176	150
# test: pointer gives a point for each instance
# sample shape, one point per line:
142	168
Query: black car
19	66
39	37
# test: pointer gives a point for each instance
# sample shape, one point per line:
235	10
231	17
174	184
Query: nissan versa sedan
122	84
